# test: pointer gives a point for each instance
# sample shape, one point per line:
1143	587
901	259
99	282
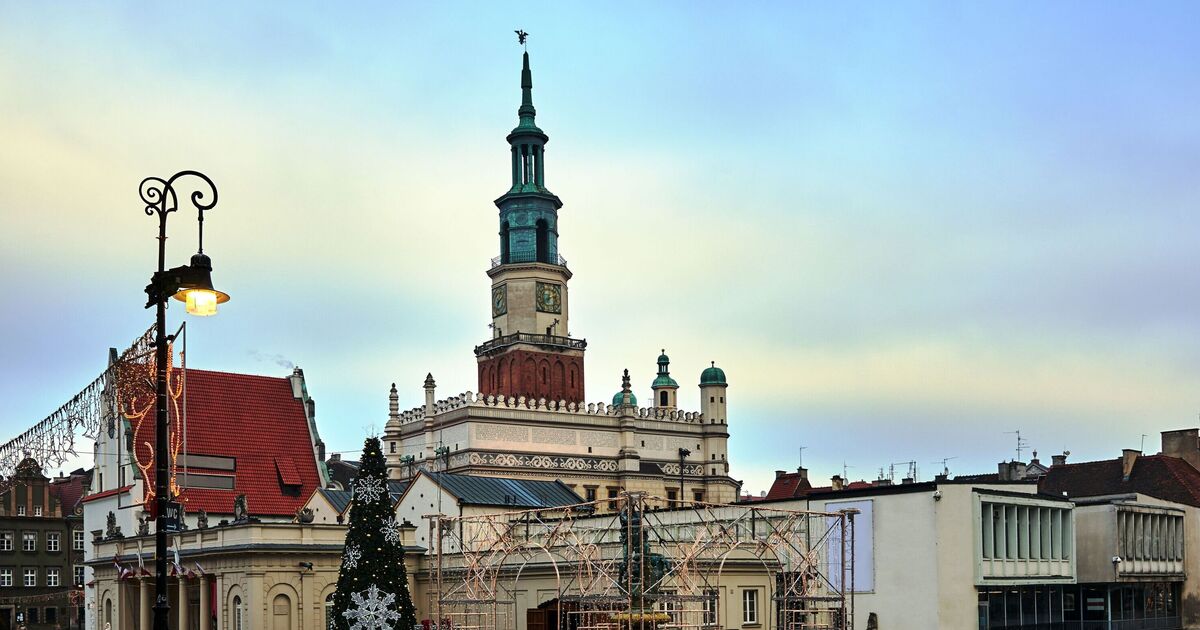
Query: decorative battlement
471	399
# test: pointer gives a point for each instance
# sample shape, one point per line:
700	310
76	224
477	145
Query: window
392	446
612	494
37	510
51	615
672	496
31	615
749	607
710	608
52	576
5	577
329	619
589	494
79	575
20	510
6	541
29	541
237	613
52	541
662	399
30	577
77	539
698	496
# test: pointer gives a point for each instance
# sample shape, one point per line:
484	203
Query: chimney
941	477
1004	471
1128	459
762	493
1184	444
906	481
336	457
1059	460
837	482
780	473
803	472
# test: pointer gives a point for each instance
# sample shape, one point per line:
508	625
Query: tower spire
527	111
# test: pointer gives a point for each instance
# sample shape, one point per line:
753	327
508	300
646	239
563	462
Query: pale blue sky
902	229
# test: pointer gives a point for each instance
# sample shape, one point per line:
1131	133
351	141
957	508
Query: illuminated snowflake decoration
391	531
353	555
368	490
372	612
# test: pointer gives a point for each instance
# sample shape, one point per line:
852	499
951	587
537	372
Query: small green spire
527	111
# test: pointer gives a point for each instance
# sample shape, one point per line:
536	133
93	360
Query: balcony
548	341
530	257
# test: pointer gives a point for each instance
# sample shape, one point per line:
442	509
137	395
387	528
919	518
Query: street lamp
191	284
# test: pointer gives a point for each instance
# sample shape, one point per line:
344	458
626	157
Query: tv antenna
1022	443
944	461
802	455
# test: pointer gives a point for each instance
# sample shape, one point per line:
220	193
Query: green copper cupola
528	211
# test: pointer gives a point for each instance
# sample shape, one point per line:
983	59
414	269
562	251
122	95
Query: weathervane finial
521	36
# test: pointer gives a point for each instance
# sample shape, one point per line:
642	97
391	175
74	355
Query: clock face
499	300
549	297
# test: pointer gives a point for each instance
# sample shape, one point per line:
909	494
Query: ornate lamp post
192	285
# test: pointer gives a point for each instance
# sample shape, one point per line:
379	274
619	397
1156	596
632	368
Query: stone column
183	603
144	606
205	603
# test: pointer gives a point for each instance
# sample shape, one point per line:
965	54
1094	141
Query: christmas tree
372	589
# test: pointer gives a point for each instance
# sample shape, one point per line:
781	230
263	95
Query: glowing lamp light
197	292
202	302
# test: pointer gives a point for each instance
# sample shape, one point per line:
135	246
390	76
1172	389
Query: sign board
172	517
864	544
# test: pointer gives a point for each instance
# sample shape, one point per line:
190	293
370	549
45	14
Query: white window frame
30	577
749	607
53	576
77	539
6	540
80	574
28	541
37	510
20	510
53	541
6	577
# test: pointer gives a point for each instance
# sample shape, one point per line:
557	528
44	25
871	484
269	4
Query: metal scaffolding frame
637	562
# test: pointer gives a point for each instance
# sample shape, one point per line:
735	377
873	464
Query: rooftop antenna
801	454
945	467
1022	443
1142	448
521	37
845	470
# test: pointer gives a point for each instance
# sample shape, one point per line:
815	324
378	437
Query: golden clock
549	297
499	300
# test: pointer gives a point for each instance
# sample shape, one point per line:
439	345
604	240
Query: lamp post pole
160	198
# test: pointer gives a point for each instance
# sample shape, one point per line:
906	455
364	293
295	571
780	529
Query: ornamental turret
712	394
531	352
665	388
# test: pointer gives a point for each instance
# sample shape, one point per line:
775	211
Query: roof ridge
240	374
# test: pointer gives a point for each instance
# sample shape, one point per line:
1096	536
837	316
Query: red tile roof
256	421
107	493
789	486
69	491
1160	476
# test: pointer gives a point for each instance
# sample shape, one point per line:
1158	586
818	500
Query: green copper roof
617	399
664	380
664	375
713	376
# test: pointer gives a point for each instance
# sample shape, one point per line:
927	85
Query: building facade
529	416
41	549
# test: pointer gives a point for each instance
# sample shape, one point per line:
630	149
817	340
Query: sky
903	229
